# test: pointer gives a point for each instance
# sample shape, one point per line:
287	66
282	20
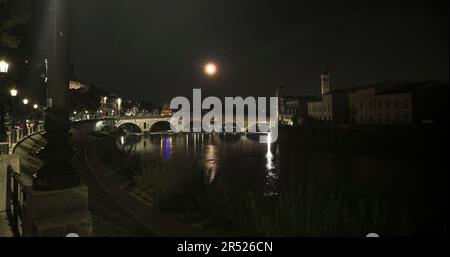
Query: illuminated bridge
153	124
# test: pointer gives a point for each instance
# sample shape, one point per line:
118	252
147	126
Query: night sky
154	50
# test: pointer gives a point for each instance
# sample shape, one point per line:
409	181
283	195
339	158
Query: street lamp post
57	172
24	113
35	110
13	93
3	76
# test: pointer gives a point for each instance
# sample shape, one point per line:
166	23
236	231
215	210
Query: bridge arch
102	125
129	127
159	126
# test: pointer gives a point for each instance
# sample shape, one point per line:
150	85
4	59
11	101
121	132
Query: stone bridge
147	123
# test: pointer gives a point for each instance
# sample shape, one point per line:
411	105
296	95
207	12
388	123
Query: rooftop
391	86
408	87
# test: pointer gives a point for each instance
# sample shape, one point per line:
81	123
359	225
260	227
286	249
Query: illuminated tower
324	81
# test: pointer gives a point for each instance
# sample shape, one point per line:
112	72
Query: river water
397	178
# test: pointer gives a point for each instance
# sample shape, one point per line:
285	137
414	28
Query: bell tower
324	81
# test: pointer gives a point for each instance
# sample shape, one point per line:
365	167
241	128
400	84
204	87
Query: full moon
210	69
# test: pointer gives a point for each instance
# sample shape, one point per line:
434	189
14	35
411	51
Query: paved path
108	218
152	218
5	229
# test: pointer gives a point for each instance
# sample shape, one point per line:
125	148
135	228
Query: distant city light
119	103
35	106
210	69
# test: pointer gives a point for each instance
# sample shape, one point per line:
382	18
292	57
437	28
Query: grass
230	210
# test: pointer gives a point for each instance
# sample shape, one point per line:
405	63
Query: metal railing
15	198
16	135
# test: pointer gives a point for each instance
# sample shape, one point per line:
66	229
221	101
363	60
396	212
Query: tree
12	15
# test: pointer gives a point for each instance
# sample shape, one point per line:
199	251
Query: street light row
4	66
25	101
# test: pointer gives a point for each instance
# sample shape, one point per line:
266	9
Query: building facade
76	85
394	108
399	102
333	105
387	102
362	105
110	105
315	110
414	103
296	110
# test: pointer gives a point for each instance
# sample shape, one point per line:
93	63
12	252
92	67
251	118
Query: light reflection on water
272	176
211	162
232	159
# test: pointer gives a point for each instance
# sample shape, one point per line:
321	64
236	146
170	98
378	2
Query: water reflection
269	159
211	162
165	147
236	159
128	143
271	175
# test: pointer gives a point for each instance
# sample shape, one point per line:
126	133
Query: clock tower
324	81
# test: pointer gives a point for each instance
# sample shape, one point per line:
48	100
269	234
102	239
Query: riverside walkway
5	228
108	218
152	219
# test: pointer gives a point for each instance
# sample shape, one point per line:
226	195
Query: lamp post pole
57	172
35	116
24	112
13	113
3	137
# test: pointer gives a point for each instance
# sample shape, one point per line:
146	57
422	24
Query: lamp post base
57	172
50	178
56	213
